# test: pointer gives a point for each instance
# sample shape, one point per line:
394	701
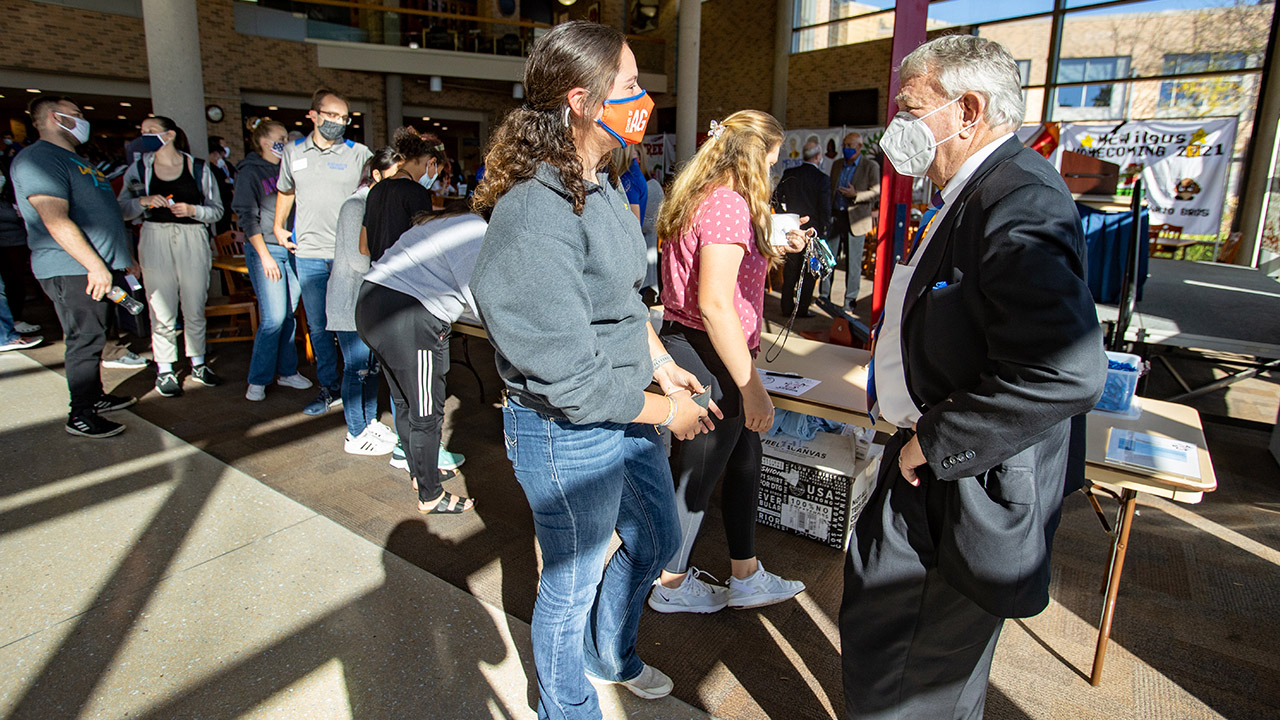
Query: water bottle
124	300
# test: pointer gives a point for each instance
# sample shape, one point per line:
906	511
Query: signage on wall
1183	164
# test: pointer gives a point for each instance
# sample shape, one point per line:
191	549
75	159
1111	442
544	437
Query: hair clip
256	123
717	129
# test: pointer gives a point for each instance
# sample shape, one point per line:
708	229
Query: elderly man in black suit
989	346
804	190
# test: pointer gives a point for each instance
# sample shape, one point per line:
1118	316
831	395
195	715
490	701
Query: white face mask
429	181
81	130
908	142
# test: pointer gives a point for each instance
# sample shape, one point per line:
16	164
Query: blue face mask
152	142
850	153
427	181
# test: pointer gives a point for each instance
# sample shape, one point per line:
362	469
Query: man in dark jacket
225	175
804	190
988	346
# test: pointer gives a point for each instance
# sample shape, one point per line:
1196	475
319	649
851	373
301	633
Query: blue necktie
873	405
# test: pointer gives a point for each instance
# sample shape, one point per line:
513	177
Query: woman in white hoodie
178	199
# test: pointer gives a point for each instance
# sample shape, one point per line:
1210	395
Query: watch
213	112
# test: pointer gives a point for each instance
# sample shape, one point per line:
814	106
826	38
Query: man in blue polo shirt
319	171
78	244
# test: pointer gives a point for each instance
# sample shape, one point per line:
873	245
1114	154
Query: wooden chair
1166	239
1230	249
239	300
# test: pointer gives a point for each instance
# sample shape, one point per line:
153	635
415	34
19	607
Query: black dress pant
730	451
84	327
412	345
912	646
793	274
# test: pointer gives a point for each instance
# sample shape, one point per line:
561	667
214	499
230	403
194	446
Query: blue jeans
313	274
7	334
583	482
274	352
359	382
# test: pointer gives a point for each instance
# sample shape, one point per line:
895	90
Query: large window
1196	95
1095	100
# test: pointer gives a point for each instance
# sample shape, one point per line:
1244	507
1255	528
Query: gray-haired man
988	347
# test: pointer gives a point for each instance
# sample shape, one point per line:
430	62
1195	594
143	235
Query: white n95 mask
908	142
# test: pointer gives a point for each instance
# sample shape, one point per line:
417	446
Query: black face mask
330	130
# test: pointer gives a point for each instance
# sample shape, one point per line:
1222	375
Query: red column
895	190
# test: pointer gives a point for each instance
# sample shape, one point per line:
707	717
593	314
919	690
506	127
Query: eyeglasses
335	117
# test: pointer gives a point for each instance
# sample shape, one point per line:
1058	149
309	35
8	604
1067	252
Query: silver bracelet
661	360
671	415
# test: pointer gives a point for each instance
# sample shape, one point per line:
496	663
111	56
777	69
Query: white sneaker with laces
650	684
255	392
692	596
295	381
367	443
762	588
382	431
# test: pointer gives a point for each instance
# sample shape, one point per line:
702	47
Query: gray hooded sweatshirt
559	295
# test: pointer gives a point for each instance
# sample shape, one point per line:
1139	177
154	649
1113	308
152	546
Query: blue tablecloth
1106	237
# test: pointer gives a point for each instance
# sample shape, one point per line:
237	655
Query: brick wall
736	64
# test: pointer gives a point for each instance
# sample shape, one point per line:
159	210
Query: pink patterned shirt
722	218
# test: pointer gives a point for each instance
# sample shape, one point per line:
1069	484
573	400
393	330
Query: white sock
197	360
164	367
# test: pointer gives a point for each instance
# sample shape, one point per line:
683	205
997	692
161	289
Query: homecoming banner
1183	164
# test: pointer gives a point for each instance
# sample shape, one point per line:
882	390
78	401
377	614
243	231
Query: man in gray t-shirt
77	240
319	172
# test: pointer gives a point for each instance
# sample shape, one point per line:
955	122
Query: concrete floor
142	577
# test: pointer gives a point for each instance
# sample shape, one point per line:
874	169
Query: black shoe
92	425
168	384
204	375
804	314
108	403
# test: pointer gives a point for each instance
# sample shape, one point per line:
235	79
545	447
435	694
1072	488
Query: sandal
449	504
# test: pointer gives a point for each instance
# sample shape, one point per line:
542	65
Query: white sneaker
128	361
762	588
650	684
692	596
382	431
255	392
295	381
367	443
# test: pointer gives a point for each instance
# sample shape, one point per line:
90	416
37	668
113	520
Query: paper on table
786	384
1154	453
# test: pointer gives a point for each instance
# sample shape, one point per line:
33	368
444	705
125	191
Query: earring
566	116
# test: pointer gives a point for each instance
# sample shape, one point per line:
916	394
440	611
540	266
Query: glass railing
453	25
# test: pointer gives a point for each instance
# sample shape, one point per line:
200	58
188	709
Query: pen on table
770	373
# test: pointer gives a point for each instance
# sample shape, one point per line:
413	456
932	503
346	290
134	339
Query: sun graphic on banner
1199	135
1086	141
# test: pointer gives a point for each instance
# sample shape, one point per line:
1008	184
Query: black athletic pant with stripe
412	345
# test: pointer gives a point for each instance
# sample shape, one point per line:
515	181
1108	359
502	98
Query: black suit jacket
1002	348
806	190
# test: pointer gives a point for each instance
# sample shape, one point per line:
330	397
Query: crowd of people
556	257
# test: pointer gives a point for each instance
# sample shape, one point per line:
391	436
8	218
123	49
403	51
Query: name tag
337	166
299	164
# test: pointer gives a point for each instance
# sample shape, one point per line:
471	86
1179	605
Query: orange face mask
626	118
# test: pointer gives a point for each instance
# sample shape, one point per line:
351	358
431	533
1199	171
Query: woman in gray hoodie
271	268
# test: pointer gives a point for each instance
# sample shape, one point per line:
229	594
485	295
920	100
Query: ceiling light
297	122
125	104
413	45
425	118
272	108
436	124
121	117
88	107
355	114
356	125
444	127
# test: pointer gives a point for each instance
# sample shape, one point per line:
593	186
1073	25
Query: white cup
783	222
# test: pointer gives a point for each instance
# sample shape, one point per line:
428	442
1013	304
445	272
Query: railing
434	24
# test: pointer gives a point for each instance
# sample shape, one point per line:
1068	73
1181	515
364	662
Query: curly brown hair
575	54
411	144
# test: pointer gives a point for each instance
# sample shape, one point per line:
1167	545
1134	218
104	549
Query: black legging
730	450
412	345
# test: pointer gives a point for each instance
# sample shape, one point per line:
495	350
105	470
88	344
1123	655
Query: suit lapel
936	252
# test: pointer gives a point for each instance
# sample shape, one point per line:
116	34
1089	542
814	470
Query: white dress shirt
896	405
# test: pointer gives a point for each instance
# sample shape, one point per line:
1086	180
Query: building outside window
1100	101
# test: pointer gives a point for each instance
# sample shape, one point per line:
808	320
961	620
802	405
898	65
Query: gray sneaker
128	361
650	684
692	596
762	588
168	384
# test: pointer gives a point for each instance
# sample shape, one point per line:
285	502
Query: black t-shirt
180	189
389	211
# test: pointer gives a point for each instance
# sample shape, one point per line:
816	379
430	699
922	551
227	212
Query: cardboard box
816	488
